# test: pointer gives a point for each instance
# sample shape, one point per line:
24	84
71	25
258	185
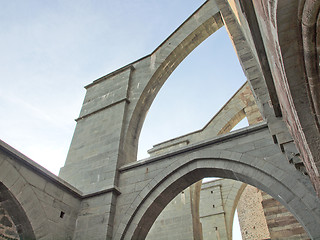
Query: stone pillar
95	152
195	190
95	148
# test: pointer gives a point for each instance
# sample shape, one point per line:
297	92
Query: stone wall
252	221
176	221
40	204
218	200
8	229
251	209
263	217
281	223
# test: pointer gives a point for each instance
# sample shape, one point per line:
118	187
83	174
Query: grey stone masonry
248	155
107	194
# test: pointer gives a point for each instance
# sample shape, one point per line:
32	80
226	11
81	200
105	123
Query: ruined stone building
102	192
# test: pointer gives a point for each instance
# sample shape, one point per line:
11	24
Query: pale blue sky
50	49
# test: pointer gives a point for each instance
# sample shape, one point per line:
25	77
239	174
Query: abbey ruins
103	192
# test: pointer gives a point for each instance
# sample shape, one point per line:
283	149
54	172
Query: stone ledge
101	109
217	139
129	66
106	190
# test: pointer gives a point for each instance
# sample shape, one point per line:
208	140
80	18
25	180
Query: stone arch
240	105
11	205
163	61
235	110
21	202
181	174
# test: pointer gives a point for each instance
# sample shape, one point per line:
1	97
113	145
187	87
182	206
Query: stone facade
241	105
263	217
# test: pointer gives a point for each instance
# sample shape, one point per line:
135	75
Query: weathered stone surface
114	197
33	208
252	221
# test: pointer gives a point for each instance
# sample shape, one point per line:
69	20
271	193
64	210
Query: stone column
95	152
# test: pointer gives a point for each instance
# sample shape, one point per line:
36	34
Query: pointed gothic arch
164	60
181	174
239	106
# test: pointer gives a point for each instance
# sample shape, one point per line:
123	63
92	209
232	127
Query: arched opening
196	169
264	218
217	202
211	103
189	211
164	60
194	92
13	219
210	53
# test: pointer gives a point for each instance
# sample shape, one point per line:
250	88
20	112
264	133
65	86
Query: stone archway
162	62
240	105
199	168
267	173
16	222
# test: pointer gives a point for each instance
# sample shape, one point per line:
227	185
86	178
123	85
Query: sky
51	49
